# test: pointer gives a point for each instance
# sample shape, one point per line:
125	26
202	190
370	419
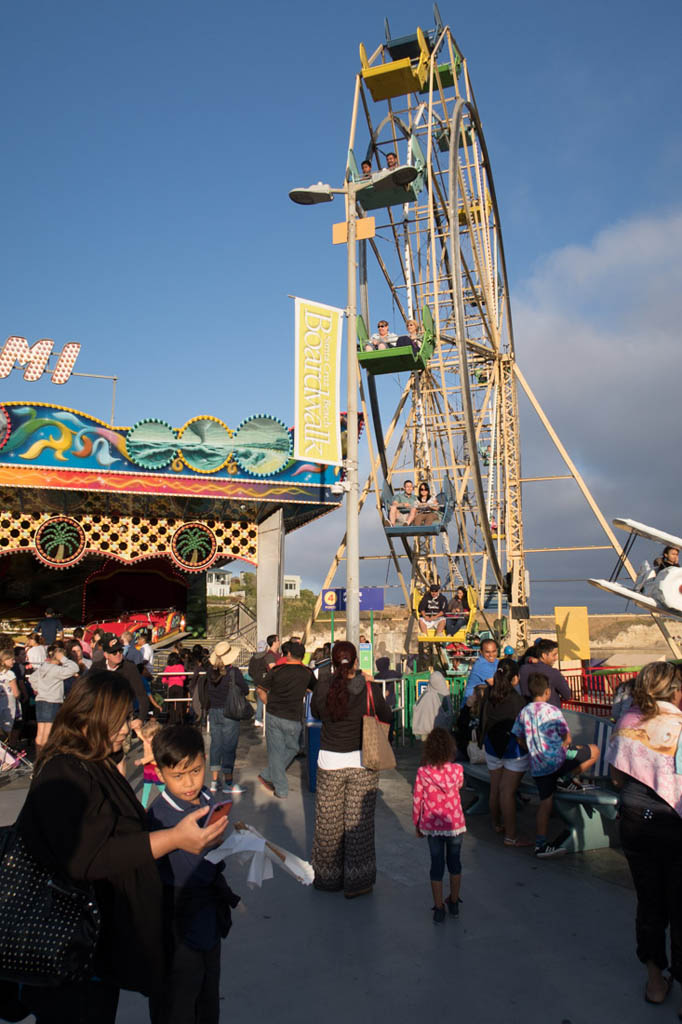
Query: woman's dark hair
175	744
174	659
94	710
462	591
502	682
72	656
439	748
318	655
344	657
424	485
509	663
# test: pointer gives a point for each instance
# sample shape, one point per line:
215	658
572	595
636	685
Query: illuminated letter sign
36	357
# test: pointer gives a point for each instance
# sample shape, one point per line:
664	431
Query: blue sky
149	147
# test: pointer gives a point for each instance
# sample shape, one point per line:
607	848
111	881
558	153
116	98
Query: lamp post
322	193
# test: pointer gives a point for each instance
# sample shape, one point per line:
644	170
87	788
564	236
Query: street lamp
311	196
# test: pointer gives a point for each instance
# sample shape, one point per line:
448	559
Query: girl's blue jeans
444	848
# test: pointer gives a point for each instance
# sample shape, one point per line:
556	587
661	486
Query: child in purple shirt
542	730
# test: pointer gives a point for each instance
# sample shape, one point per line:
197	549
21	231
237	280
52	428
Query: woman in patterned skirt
343	848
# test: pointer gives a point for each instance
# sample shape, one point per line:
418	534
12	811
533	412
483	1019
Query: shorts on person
575	755
46	710
513	759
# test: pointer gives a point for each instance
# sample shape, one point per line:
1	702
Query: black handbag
49	926
237	707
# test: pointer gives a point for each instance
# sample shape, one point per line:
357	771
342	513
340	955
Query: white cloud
598	338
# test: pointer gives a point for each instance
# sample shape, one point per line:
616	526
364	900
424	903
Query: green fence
410	693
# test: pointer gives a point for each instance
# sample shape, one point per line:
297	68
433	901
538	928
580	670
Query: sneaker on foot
213	788
568	785
549	850
438	915
233	787
453	907
259	725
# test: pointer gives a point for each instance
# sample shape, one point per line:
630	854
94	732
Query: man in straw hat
223	674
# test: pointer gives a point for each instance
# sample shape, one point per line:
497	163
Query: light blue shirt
481	671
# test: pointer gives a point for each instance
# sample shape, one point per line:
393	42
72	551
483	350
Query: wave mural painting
40	435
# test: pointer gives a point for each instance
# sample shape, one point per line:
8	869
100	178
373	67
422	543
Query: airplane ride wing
642	530
643	600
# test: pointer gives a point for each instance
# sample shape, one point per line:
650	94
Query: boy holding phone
197	897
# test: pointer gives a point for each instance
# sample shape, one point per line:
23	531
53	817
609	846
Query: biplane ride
658	587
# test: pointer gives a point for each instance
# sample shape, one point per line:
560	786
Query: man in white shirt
382	338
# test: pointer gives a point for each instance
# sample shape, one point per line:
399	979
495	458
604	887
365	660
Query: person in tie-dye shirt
542	730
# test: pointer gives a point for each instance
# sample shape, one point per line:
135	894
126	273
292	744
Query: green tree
296	612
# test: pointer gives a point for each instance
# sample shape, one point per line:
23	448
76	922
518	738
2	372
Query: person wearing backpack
223	674
259	665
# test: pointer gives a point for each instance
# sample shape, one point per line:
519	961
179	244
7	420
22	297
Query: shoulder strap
370	701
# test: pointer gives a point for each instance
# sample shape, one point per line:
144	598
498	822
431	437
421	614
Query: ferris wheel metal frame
459	415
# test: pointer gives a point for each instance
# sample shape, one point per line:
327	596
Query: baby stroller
14	761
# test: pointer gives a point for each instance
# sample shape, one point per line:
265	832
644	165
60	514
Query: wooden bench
582	813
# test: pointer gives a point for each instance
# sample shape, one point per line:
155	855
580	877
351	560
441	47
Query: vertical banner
317	420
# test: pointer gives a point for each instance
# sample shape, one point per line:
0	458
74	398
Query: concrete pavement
537	942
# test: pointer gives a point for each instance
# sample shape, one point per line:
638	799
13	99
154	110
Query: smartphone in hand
217	813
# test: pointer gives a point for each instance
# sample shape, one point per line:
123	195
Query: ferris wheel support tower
436	256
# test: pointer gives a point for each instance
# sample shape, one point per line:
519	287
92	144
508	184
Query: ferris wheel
420	167
438	247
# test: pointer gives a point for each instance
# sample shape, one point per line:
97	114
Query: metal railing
593	689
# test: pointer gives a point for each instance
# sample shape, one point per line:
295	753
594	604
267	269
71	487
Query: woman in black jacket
343	847
82	819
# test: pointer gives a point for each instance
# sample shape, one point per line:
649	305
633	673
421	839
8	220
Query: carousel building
99	520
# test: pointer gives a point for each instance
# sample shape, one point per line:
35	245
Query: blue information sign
371	599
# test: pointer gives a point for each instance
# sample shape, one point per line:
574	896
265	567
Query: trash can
313	731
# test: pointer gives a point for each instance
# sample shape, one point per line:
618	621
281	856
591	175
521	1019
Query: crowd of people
165	908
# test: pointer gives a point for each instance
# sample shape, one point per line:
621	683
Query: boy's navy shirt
188	874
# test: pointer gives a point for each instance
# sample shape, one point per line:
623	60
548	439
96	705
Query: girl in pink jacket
437	814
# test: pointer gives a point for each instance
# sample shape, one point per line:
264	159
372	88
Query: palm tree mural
60	539
194	544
